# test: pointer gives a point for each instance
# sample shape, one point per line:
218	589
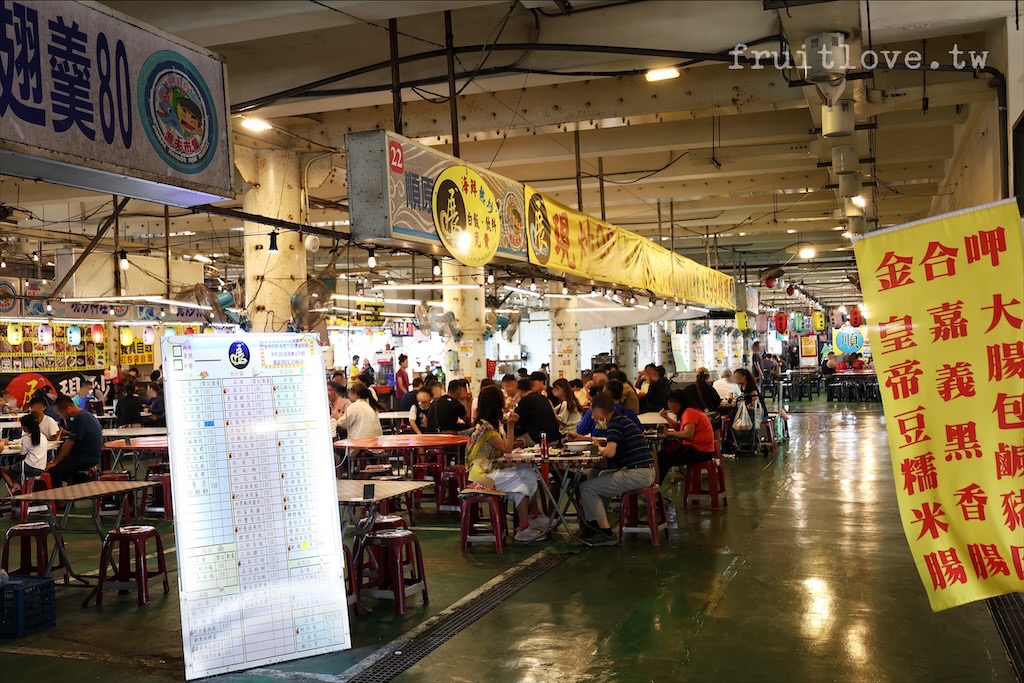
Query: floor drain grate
1008	613
388	663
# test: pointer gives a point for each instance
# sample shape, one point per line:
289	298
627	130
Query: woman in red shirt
690	438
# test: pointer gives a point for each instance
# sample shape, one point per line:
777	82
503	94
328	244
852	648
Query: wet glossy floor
805	576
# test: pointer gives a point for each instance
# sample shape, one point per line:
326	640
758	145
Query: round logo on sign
396	157
8	297
466	216
238	355
177	112
512	233
849	341
540	229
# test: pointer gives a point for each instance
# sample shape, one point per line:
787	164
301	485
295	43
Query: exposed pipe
273	222
453	103
396	80
100	232
600	185
117	248
167	250
579	170
305	90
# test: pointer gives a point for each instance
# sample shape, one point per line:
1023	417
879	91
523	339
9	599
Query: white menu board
260	557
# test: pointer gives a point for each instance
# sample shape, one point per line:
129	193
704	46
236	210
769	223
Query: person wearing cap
536	414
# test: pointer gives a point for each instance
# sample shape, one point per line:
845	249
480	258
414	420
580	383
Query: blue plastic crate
29	605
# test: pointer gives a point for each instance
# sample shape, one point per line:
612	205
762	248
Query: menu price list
255	585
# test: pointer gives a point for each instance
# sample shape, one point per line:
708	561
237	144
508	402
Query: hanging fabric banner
946	303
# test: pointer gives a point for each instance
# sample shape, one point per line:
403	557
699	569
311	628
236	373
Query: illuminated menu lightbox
260	558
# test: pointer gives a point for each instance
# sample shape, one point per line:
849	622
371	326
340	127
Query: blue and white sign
93	99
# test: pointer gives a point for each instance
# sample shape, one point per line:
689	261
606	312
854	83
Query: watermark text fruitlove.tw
869	60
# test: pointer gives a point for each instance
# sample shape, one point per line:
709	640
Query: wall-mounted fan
201	295
309	305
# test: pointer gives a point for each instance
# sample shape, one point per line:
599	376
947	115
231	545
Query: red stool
472	503
163	500
426	471
38	532
657	517
454	478
396	550
716	483
21	511
110	504
126	539
383	522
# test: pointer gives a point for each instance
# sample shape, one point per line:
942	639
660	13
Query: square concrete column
565	339
465	358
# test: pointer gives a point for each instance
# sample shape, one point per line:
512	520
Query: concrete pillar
271	279
466	358
625	349
565	339
663	346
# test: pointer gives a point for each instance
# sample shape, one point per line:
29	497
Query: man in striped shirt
630	466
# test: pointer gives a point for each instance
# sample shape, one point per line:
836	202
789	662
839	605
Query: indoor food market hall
512	340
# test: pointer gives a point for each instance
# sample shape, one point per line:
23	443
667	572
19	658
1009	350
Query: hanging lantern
209	330
45	334
189	331
148	335
97	333
762	322
742	323
818	321
770	282
127	336
799	323
14	333
74	335
836	318
169	331
856	317
781	322
791	290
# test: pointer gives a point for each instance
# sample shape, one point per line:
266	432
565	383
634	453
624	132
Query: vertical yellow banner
946	303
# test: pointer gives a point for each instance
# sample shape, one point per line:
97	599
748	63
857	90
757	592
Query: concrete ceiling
740	202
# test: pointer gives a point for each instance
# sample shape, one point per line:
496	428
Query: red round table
400	442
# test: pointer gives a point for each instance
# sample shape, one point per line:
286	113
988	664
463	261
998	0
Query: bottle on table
544	445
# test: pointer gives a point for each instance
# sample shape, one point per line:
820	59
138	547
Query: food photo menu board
258	536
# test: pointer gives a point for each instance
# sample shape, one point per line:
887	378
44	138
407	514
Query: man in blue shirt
589	427
81	450
629	466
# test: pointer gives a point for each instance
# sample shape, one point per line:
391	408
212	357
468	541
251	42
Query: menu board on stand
256	511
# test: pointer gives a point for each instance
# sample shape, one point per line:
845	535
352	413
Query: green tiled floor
804	577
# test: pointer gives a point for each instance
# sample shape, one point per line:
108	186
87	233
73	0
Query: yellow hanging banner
946	304
569	241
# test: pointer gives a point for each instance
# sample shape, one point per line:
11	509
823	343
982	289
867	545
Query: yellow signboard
467	215
137	353
946	297
569	241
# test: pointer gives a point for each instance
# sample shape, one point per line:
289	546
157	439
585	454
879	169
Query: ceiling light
565	290
664	305
847	235
371	259
123	260
859	201
437	267
3	263
256	125
663	74
236	229
632	300
490	277
163	313
790	231
597	309
520	290
273	249
375	299
49	306
424	285
35	256
202	258
533	284
698	309
806	252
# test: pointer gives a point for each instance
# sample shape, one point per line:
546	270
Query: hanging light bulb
74	335
677	305
490	277
49	307
44	280
533	284
3	263
664	305
632	301
35	256
163	313
371	259
127	336
437	267
123	262
110	310
273	243
565	289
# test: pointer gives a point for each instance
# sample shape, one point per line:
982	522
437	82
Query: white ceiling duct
849	185
837	120
845	159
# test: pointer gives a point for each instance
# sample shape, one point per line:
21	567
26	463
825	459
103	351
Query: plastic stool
383	522
396	550
716	483
454	478
38	532
21	511
657	517
110	504
425	471
472	502
126	539
163	500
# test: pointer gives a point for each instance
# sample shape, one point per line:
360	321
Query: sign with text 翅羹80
93	99
947	308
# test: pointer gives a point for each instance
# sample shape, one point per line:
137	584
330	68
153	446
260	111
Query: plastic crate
29	605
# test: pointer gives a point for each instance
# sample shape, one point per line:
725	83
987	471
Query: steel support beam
100	232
